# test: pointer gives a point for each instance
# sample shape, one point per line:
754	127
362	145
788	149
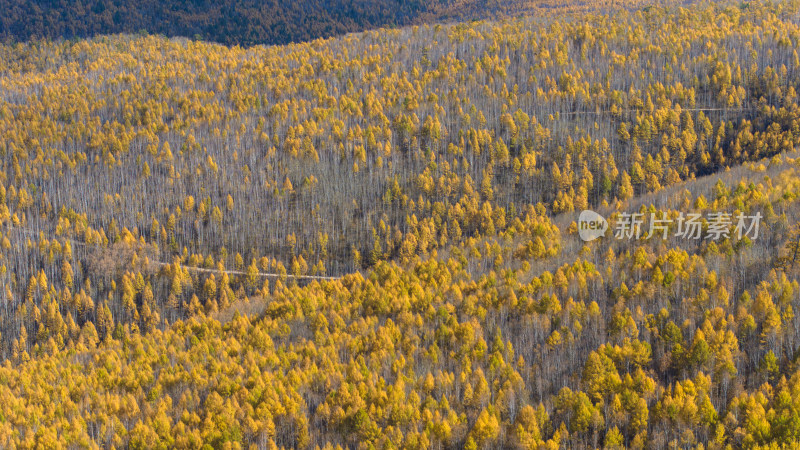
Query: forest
251	22
371	240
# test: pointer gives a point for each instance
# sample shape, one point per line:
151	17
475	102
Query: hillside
249	22
373	240
643	345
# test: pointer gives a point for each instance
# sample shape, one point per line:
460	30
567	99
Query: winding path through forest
192	268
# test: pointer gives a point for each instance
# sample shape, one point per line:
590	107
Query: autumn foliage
369	241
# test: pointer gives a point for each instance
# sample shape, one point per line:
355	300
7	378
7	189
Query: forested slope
249	22
165	205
